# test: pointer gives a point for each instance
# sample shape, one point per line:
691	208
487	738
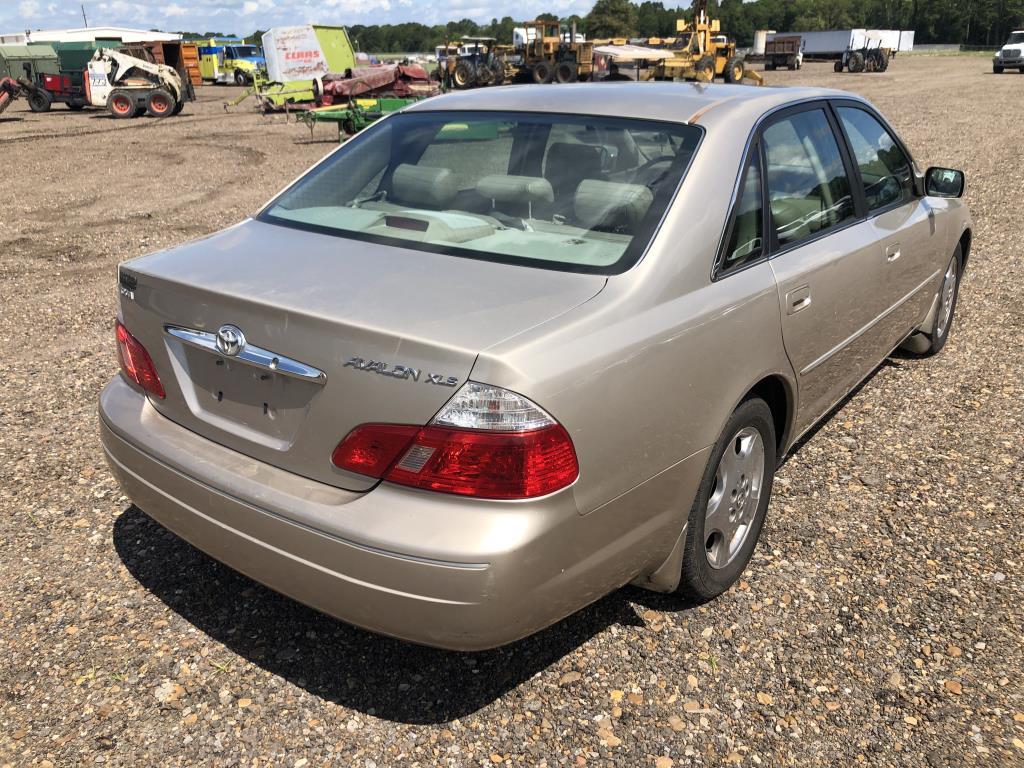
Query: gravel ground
880	622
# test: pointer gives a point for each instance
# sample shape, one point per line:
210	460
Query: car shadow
370	673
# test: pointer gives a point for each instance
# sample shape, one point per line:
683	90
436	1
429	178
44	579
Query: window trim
859	209
836	104
753	152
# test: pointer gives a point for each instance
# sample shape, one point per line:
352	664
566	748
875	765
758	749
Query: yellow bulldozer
701	52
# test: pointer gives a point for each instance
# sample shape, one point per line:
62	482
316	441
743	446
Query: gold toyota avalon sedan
511	349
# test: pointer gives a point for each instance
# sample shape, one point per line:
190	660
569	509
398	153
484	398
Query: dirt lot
880	622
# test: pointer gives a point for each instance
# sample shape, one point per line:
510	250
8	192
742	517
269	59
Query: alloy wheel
732	506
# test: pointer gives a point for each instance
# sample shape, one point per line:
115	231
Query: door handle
892	252
797	299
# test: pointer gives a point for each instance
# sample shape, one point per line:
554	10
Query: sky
244	16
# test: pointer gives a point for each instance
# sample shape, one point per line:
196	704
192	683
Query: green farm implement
353	116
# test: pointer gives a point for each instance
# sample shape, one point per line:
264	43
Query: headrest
423	186
607	204
516	189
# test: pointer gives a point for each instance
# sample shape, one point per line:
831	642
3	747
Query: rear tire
732	500
856	63
542	73
565	72
462	77
39	101
837	67
121	105
160	103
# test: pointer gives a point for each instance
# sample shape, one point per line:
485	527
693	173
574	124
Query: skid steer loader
128	86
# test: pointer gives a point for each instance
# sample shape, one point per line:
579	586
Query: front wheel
996	69
733	72
932	342
160	103
240	78
729	510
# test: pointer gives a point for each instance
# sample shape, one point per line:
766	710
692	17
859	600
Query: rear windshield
574	193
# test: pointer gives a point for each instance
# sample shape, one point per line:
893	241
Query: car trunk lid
393	332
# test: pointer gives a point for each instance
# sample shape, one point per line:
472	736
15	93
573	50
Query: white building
87	34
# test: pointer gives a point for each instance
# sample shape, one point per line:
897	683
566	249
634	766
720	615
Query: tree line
970	22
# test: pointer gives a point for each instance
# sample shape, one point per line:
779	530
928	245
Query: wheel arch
965	248
778	393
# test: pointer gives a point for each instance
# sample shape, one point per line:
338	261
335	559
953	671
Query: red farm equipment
9	91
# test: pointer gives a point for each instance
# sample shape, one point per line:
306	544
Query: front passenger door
824	259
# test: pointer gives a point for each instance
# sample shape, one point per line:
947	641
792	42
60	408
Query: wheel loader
700	52
128	86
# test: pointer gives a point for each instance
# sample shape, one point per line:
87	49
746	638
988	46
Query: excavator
128	86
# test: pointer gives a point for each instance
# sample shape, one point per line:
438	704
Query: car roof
667	101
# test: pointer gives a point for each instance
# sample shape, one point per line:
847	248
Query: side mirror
943	182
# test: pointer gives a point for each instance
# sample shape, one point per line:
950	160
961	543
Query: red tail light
486	442
468	462
136	362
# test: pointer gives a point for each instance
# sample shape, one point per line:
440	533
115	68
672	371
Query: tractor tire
39	101
178	107
542	73
241	78
791	63
121	104
704	72
565	72
733	72
160	103
870	65
837	67
856	63
497	73
463	76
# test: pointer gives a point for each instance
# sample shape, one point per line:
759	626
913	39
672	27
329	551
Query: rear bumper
429	568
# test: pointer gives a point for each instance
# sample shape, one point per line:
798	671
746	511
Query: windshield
576	193
1015	38
243	51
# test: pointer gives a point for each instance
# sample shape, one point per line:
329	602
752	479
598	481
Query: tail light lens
487	442
136	362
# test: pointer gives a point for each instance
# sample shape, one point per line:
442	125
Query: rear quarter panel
646	374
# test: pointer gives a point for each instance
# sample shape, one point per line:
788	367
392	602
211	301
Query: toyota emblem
230	340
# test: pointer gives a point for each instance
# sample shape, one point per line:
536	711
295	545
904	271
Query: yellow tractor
553	53
700	52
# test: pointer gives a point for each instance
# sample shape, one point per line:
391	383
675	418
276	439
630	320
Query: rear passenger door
824	255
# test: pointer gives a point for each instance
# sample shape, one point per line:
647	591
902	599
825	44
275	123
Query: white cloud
28	9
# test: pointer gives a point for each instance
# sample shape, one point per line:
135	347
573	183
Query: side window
885	169
746	237
808	190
